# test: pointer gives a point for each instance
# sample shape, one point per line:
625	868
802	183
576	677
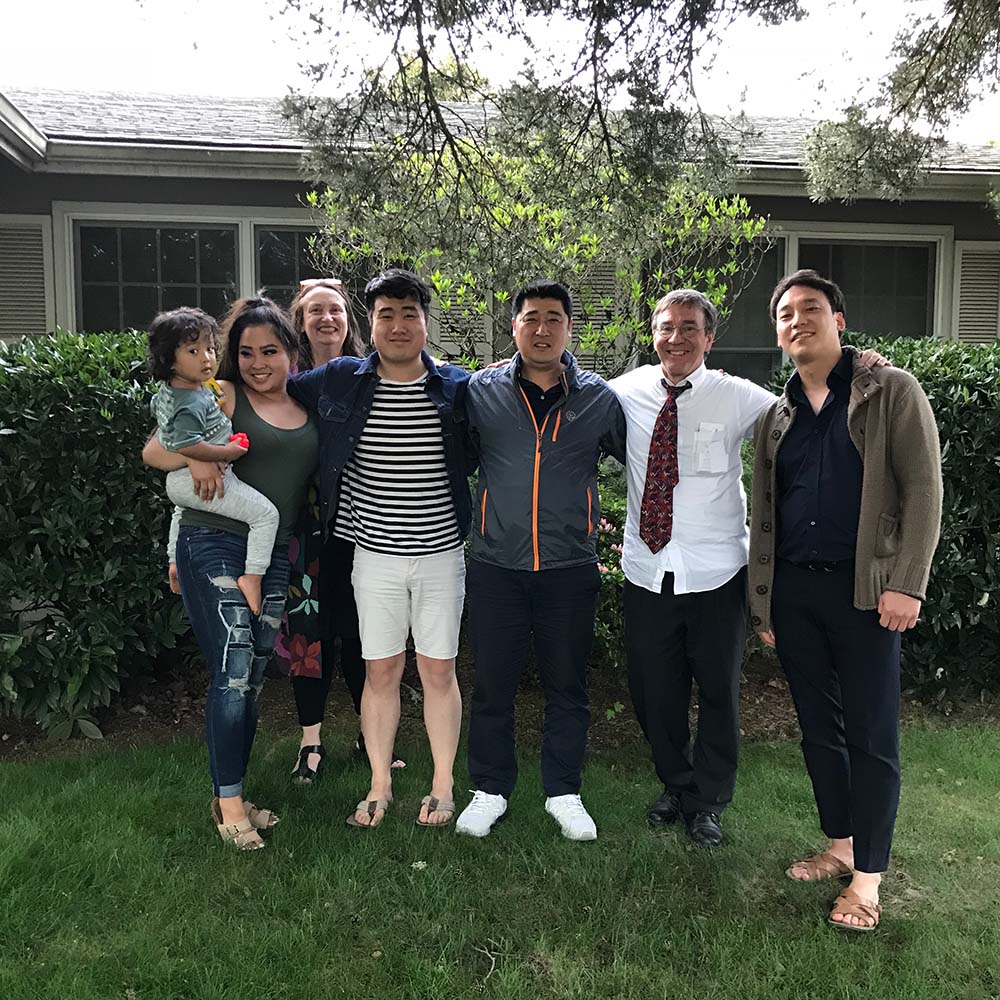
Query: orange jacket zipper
590	509
539	431
482	524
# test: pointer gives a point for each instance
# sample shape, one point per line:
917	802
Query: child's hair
169	330
257	311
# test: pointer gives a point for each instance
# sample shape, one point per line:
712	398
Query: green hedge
956	647
83	596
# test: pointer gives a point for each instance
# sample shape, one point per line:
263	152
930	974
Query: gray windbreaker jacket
537	506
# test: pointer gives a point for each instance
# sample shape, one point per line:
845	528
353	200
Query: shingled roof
257	123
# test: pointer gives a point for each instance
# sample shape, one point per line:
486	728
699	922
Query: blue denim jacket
340	393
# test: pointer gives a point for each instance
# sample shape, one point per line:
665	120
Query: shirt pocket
329	408
710	458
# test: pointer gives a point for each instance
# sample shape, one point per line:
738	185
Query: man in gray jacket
541	426
846	515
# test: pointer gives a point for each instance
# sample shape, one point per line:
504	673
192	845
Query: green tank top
280	464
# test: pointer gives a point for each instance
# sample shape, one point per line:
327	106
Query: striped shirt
395	497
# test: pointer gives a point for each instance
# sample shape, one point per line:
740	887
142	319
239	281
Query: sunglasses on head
313	282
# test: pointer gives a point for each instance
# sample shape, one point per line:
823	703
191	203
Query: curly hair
169	330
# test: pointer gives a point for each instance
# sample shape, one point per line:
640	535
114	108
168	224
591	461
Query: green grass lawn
114	885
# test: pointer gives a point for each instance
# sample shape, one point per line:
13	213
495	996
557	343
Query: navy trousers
843	671
555	610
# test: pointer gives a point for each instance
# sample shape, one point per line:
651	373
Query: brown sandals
436	805
850	904
370	806
820	867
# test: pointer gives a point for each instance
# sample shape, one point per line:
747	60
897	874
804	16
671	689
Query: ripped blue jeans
236	645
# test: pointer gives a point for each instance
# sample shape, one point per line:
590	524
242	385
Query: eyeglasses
686	330
313	282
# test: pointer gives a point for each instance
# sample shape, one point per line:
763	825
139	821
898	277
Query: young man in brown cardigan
845	519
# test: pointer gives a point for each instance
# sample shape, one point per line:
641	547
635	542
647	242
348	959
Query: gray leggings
240	503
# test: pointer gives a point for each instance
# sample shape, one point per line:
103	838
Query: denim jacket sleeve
305	387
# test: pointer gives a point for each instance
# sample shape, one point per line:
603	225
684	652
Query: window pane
911	318
218	256
215	301
282	294
177	263
175	296
100	308
276	253
99	254
815	257
138	254
307	268
878	265
912	275
754	365
879	316
748	323
140	306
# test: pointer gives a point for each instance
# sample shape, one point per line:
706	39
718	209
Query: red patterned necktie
656	518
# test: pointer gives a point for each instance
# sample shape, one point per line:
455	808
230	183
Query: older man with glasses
685	557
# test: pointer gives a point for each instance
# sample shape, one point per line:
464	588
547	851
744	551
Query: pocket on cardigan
887	536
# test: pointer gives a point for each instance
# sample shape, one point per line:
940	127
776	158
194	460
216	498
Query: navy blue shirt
819	475
540	400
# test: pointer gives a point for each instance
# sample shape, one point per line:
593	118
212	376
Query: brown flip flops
436	805
370	806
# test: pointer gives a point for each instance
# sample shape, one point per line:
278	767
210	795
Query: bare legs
380	720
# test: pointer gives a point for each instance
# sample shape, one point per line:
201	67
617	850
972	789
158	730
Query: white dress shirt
710	540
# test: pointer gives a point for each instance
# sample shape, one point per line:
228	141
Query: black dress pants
843	671
670	640
508	608
339	617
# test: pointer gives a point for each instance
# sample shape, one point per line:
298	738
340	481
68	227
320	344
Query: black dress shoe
666	809
704	828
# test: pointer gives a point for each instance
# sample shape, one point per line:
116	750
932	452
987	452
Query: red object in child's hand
241	439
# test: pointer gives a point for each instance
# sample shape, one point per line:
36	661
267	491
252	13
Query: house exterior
113	206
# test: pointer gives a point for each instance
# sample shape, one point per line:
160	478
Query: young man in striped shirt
393	472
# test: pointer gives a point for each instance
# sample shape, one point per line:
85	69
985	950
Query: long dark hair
257	311
353	346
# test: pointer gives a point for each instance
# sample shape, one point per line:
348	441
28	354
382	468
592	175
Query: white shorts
397	595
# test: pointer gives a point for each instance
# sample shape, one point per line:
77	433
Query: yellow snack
215	389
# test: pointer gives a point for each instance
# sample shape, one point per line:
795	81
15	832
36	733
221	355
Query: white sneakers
572	817
480	814
484	810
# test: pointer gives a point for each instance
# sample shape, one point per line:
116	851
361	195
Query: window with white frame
127	272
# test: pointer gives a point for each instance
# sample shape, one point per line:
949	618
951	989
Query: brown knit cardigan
892	426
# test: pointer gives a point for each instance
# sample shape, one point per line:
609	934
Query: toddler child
183	345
